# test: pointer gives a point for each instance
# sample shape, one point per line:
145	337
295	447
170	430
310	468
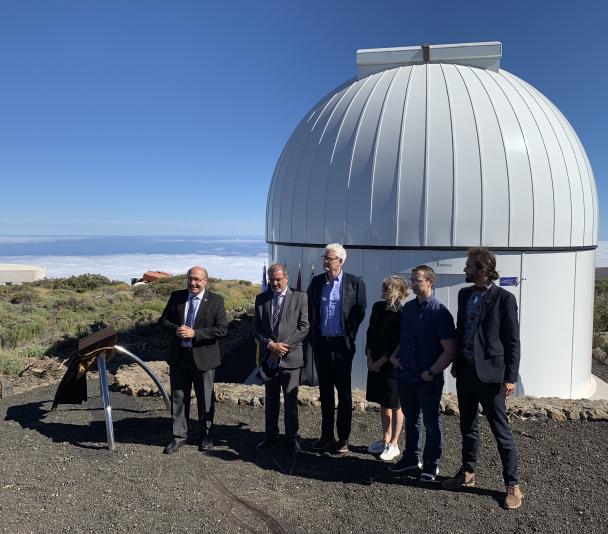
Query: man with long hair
486	369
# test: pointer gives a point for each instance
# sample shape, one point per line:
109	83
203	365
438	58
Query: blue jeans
420	403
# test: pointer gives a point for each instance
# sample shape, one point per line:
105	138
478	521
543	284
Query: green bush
79	283
600	311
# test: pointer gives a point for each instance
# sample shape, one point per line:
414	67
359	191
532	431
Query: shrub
79	283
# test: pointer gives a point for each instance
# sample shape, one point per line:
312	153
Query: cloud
126	266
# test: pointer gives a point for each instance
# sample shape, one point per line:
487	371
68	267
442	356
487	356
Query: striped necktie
276	313
191	312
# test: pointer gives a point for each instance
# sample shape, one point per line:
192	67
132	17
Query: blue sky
167	117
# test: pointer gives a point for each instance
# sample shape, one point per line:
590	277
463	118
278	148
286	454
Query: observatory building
431	150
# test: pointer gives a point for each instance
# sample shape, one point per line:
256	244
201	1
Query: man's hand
508	388
396	363
279	349
185	332
426	376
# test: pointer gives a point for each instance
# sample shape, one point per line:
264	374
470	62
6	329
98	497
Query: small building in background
150	276
15	273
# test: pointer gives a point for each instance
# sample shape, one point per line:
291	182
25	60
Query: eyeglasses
329	260
276	280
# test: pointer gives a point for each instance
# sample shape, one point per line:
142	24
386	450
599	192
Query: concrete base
601	389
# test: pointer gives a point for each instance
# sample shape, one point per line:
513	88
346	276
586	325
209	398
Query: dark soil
57	476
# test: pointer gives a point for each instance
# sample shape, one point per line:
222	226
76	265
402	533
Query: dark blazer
353	300
496	340
293	326
210	324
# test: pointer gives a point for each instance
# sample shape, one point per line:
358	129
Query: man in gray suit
280	325
194	319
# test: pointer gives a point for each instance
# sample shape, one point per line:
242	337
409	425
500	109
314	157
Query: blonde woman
382	341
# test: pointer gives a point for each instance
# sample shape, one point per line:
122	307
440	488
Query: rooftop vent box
480	55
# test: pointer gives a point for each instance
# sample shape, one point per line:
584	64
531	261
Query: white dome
434	155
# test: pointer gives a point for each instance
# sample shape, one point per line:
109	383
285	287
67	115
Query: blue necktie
191	313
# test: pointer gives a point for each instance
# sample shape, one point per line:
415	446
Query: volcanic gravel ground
57	476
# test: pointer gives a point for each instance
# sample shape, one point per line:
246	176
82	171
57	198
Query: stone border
132	380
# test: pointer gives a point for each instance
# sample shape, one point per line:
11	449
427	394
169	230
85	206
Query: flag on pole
264	281
299	282
264	288
312	274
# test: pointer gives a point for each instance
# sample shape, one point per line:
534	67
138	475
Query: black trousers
287	380
471	393
334	365
183	375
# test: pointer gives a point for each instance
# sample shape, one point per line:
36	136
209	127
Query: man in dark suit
194	319
280	325
486	369
336	307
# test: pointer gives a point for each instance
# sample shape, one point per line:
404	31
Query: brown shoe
514	497
322	444
342	447
462	479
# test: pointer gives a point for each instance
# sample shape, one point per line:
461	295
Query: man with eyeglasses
280	324
194	319
336	307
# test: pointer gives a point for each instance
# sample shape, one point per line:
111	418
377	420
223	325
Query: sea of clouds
126	266
224	258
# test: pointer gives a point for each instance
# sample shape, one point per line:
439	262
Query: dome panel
336	193
385	178
359	193
494	175
410	213
467	165
439	166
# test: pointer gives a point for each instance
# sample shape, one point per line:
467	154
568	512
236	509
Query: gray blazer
293	326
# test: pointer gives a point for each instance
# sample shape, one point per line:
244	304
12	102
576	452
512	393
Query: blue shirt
471	321
423	327
331	307
194	301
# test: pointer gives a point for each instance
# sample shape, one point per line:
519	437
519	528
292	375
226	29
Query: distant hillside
49	316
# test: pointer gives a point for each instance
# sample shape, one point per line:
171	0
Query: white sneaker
390	453
377	446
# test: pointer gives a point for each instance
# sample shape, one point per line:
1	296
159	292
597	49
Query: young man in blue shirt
427	347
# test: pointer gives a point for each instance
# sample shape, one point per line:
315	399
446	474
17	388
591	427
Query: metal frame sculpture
101	346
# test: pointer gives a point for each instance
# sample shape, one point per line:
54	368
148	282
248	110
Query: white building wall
554	297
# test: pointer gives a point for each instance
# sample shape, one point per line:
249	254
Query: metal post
105	395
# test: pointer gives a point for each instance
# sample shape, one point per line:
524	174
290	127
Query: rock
256	401
556	415
37	371
600	339
599	355
6	389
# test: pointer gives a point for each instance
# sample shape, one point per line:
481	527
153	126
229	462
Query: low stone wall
132	380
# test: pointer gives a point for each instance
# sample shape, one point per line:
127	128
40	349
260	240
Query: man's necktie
276	313
191	313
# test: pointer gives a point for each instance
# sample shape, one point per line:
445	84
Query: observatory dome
446	150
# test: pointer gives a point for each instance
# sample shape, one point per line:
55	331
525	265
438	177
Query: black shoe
322	444
405	466
206	444
294	446
266	443
342	447
174	446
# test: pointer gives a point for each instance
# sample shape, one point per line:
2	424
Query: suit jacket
496	342
293	326
210	324
353	301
